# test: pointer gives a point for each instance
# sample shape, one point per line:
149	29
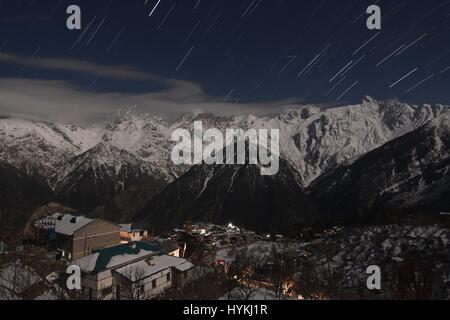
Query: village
205	261
125	261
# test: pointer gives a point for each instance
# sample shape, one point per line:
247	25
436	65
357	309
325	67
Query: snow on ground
6	294
260	250
52	277
252	294
17	277
47	295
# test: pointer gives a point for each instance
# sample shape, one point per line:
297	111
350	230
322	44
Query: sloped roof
126	227
112	257
168	246
130	227
145	268
67	224
184	266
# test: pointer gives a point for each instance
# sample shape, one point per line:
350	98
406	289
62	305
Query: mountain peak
105	153
239	193
104	147
130	118
368	99
442	121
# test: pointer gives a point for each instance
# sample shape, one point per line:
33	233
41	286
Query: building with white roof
137	270
76	235
129	233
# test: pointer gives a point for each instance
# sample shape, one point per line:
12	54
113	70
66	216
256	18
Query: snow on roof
116	256
121	259
184	266
125	227
87	264
168	246
145	268
67	224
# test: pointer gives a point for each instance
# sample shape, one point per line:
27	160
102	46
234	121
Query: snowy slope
40	147
126	159
237	193
108	181
145	136
411	172
313	139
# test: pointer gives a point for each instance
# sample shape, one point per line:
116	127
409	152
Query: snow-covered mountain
42	147
405	253
313	140
410	173
233	193
316	140
113	168
146	136
108	181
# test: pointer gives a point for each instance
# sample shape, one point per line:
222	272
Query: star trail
246	51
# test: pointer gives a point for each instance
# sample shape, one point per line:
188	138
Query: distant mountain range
410	174
108	181
122	168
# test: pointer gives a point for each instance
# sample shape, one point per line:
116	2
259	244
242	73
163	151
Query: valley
121	169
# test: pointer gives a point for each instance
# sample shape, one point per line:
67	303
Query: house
137	270
150	277
129	233
76	236
171	248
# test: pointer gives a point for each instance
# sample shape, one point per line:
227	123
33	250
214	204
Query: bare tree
309	284
209	286
241	275
15	278
281	277
133	283
414	279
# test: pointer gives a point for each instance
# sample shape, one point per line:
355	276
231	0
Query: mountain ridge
410	173
313	140
233	193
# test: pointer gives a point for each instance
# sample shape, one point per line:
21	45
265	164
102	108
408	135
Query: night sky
230	55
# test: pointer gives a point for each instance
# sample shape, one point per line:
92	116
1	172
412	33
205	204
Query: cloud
79	66
59	100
